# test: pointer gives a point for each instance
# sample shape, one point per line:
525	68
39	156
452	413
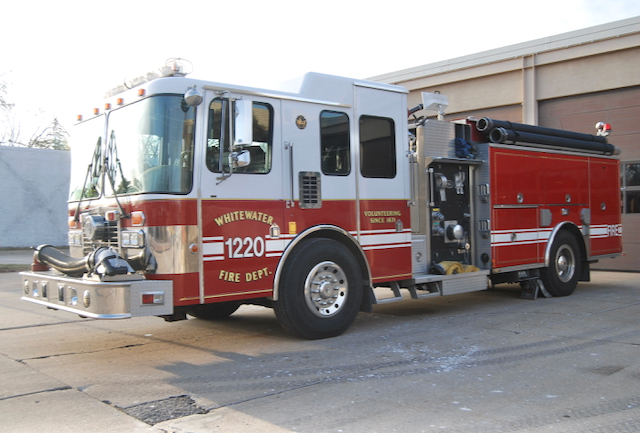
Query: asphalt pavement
471	363
20	256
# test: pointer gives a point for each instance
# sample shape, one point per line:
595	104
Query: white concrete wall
34	186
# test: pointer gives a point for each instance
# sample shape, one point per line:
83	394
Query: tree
8	125
51	136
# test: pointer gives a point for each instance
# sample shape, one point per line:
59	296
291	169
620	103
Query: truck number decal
238	248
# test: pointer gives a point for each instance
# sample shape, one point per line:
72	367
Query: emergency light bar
173	67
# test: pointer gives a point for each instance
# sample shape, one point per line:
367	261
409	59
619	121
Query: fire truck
319	200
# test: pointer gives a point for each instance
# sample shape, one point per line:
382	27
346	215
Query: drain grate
157	411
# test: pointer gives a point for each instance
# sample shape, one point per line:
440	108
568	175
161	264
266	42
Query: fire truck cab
195	197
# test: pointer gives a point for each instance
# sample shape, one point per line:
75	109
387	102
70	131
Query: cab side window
377	147
218	139
335	148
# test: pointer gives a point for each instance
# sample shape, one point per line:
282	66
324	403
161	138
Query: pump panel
450	212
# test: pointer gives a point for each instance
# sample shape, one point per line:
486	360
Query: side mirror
243	123
239	159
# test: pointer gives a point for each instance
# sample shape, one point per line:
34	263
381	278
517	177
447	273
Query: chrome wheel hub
565	263
325	289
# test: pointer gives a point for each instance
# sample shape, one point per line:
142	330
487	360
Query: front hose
74	267
103	261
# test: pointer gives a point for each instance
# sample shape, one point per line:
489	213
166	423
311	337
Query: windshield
86	148
149	147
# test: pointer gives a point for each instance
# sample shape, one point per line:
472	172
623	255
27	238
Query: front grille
111	234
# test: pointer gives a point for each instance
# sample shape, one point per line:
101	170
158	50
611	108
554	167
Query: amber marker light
120	101
141	92
79	117
137	218
107	106
96	111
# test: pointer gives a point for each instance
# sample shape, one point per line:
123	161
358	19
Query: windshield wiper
110	171
95	161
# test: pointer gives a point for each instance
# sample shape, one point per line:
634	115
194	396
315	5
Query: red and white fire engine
195	197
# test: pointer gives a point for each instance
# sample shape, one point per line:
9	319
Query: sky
61	56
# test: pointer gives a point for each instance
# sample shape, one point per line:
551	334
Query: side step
432	289
429	286
432	286
397	296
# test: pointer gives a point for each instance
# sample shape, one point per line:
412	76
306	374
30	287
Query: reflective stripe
541	235
384	239
212	248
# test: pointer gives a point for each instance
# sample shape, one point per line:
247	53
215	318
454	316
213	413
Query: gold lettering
232	277
256	275
382	213
241	215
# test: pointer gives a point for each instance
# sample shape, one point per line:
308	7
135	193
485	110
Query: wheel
320	290
214	311
565	263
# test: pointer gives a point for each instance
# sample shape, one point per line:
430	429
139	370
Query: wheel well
339	235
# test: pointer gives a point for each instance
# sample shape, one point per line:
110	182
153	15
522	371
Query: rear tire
565	265
214	311
320	290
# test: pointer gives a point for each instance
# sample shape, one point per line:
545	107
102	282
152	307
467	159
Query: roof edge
576	37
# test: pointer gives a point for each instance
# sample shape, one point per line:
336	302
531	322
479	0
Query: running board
429	286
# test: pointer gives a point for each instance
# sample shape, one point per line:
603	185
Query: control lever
460	178
441	184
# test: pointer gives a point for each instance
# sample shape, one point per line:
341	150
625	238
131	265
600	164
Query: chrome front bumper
98	299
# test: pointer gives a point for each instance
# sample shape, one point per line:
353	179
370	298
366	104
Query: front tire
320	290
565	266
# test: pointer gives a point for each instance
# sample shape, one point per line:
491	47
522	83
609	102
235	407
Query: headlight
132	239
75	238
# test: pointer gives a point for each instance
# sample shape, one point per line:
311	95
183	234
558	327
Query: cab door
320	179
383	182
241	206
